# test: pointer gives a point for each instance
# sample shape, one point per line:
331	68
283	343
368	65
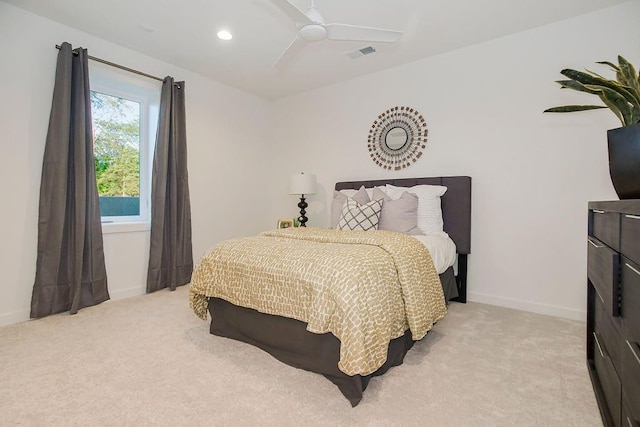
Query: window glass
125	116
116	147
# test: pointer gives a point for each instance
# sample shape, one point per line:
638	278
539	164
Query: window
125	114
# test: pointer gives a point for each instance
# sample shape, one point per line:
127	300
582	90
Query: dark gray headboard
456	203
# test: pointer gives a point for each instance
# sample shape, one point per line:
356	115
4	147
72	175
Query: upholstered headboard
456	213
456	203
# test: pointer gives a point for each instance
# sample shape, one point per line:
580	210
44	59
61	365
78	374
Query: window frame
118	83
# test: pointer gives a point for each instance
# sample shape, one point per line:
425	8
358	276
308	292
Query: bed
309	345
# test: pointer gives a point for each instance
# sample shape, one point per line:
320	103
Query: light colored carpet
149	360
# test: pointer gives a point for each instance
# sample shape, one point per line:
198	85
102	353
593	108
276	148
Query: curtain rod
122	67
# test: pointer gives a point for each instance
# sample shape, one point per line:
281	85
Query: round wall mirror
397	138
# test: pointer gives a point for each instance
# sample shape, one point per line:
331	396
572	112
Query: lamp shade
302	183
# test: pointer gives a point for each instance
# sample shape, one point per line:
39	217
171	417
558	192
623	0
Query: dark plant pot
624	161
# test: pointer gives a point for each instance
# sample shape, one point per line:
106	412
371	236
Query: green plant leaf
616	103
629	75
586	78
620	95
594	79
613	66
590	78
573	108
572	84
594	74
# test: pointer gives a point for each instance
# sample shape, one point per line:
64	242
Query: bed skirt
289	341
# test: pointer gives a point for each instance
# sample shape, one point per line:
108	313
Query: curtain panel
170	256
70	268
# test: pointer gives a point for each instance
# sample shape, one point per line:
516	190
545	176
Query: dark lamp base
302	219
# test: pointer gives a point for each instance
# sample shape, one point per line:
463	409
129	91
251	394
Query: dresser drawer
602	270
630	273
630	237
631	375
606	227
609	330
628	417
608	378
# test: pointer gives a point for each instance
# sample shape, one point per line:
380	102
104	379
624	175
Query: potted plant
622	96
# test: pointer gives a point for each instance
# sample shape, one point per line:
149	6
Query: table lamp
302	183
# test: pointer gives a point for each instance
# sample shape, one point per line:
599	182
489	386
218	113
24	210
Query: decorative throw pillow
351	193
370	191
339	199
429	204
360	217
398	215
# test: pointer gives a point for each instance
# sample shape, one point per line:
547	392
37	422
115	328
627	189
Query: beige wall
532	173
226	157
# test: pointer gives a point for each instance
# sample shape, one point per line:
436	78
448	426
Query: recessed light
224	35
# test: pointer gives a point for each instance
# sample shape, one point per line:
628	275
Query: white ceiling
184	33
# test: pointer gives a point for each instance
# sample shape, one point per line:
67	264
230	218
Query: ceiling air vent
361	52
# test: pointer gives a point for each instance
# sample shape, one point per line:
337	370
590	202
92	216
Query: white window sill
125	227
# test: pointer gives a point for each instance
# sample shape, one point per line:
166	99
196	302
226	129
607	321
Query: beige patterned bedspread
364	287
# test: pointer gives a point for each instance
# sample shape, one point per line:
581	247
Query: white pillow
351	193
429	204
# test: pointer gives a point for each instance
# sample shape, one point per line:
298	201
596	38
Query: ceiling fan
311	28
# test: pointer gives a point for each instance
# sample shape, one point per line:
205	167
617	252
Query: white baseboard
15	317
127	293
22	316
550	310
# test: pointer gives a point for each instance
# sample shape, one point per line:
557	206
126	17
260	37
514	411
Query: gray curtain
70	269
170	257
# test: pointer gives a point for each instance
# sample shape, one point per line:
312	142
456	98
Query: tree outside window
116	139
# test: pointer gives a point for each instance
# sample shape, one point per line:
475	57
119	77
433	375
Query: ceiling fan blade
294	48
367	34
293	12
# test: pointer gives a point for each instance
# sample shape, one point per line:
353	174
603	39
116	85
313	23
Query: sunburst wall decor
397	138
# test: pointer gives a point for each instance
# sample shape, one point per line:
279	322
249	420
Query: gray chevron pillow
360	217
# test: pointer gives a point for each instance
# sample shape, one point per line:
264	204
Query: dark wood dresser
613	310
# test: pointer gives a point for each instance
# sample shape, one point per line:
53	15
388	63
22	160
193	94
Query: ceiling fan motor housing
312	28
313	32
